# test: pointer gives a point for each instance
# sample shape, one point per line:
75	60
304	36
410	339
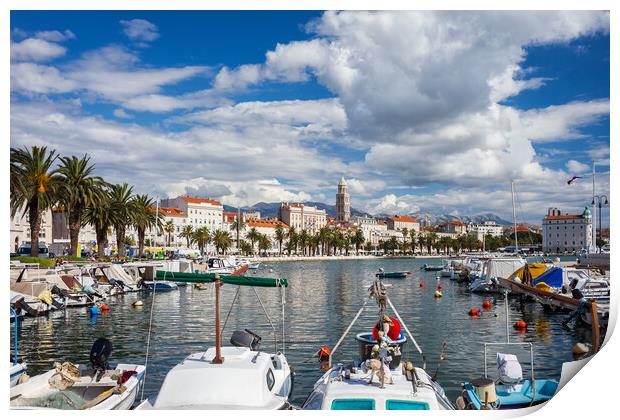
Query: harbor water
320	302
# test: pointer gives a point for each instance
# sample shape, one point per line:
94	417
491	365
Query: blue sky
420	112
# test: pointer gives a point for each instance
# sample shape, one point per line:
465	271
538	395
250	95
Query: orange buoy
474	312
439	287
520	325
105	307
486	304
324	353
421	284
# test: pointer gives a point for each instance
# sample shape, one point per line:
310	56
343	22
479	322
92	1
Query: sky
421	112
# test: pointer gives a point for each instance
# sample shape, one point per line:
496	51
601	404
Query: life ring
393	332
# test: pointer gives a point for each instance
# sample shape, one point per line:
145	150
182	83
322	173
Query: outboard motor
99	354
245	339
577	294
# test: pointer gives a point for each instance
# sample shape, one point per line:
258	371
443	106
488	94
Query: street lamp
598	199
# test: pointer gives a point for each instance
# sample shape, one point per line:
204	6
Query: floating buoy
94	310
421	284
580	348
324	353
138	303
437	294
271	270
486	304
474	312
520	325
439	287
105	307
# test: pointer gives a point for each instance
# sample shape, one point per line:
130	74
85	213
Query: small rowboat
429	267
393	274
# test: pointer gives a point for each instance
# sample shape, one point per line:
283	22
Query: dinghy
79	387
241	376
392	274
399	385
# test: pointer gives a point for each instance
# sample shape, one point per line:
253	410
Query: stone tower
343	208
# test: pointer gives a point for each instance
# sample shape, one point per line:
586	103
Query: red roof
407	219
265	223
171	211
199	200
564	217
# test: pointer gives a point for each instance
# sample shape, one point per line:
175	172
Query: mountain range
270	210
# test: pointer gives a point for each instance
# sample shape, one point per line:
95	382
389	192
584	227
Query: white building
376	236
201	212
485	228
265	227
303	217
403	222
20	229
368	225
566	232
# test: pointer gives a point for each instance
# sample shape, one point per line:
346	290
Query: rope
148	338
275	334
229	311
283	300
402	323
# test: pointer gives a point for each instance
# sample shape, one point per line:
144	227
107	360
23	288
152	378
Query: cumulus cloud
120	113
55	36
140	30
33	49
576	167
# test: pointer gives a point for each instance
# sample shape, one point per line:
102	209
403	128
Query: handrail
15	337
329	363
402	323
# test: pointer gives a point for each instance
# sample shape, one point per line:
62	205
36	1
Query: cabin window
353	404
271	380
406	405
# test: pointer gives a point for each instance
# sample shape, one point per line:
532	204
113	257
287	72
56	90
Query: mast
218	359
514	215
593	246
156	221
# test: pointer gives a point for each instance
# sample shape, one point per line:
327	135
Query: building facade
201	212
485	228
403	222
452	226
343	205
302	217
566	232
20	229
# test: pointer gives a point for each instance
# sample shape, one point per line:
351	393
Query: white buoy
138	303
271	270
580	348
438	294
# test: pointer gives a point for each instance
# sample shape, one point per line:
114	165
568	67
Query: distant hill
270	210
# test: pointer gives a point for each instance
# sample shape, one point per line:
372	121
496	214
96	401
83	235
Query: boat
399	385
493	268
80	387
241	376
18	368
392	274
145	276
221	265
430	267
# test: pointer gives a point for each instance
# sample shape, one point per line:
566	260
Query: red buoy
520	325
421	284
105	307
474	312
324	353
393	332
486	304
439	287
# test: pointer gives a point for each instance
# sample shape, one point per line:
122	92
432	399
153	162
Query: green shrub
43	262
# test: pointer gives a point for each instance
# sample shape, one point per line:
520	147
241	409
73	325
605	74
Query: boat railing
531	348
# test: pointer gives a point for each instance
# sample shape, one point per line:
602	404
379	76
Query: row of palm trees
41	179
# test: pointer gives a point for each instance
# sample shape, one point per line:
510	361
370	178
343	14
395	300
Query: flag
570	181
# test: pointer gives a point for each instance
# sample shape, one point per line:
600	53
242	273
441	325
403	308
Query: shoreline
346	257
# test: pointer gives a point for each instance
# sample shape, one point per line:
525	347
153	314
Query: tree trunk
141	235
120	236
75	223
102	239
34	217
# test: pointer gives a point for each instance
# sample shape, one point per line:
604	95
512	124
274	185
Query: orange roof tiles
407	219
171	211
265	223
564	217
199	200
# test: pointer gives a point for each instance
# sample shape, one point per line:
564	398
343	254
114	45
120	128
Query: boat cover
535	270
509	368
210	278
503	267
552	278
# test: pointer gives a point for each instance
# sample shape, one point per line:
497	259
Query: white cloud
32	49
140	30
165	103
55	36
576	167
36	78
120	113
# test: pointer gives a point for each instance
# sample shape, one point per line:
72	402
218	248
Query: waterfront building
402	222
302	217
367	224
566	232
378	236
488	227
201	212
20	229
343	205
265	227
452	226
178	219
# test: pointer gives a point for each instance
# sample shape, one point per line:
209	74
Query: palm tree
187	232
201	237
303	241
292	240
430	241
413	236
100	218
121	212
253	236
245	247
264	243
169	229
237	225
144	218
280	235
34	187
222	240
358	240
78	191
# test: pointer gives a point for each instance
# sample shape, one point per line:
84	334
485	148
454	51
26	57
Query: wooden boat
393	274
79	387
234	377
402	386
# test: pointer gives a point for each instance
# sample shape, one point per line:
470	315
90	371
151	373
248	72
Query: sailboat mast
514	215
156	221
593	207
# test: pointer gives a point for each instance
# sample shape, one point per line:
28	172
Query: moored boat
392	274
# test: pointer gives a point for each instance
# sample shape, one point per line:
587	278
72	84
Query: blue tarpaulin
551	277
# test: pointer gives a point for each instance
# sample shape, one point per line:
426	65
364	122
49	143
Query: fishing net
61	400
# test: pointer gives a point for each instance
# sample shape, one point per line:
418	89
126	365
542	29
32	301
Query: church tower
343	208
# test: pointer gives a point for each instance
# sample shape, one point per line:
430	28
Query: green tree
201	237
238	225
187	232
264	243
291	244
413	242
280	236
121	212
303	241
253	236
245	247
169	229
101	219
144	218
34	186
358	240
222	240
78	190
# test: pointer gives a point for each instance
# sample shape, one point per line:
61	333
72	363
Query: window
353	404
271	380
406	405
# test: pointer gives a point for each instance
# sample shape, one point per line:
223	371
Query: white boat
77	386
402	386
233	377
493	268
17	370
221	265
